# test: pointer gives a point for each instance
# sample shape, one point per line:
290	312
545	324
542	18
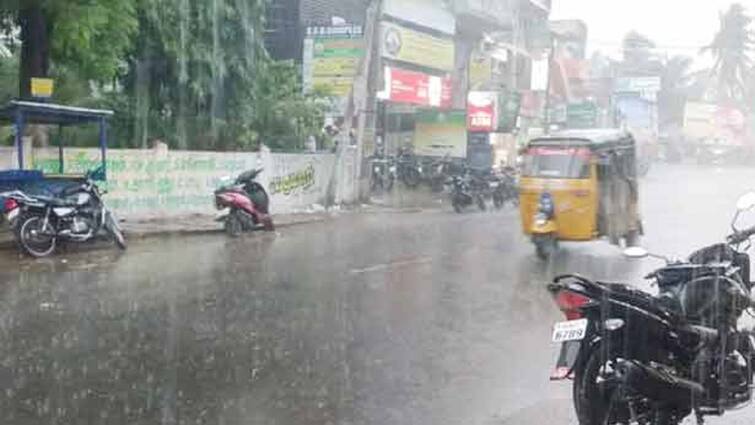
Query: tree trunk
35	46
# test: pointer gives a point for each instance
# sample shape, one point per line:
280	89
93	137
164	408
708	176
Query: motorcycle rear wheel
498	200
599	403
411	177
481	203
34	240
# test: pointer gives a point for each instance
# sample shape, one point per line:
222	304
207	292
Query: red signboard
481	111
417	88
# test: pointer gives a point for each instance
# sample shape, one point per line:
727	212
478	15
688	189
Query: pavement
190	224
419	317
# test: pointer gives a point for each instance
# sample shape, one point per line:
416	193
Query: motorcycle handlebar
741	235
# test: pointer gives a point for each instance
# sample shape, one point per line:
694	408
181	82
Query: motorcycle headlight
546	205
540	219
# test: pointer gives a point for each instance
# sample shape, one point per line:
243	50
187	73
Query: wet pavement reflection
414	318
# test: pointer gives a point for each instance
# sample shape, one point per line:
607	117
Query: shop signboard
509	105
482	111
440	133
646	87
416	88
331	58
480	70
705	120
418	48
582	115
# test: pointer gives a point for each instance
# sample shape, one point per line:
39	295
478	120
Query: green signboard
508	110
582	115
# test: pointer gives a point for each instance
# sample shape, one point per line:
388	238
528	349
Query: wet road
413	318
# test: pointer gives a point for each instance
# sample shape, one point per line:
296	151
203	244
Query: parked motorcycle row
78	213
466	186
655	359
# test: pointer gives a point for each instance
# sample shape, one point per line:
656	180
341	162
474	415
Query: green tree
731	47
89	37
675	83
640	58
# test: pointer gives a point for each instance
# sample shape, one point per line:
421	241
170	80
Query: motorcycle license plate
493	185
572	330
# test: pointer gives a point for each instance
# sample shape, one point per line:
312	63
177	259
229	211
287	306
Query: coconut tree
730	48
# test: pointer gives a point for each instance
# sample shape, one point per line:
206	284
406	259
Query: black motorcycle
408	169
383	173
504	189
78	214
464	193
639	358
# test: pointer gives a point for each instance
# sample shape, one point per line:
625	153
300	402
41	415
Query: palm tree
730	48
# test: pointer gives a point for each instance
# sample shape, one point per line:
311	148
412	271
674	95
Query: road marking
392	264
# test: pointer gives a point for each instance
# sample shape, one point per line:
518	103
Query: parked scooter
78	215
247	204
655	359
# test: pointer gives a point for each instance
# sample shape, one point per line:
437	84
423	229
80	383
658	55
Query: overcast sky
676	26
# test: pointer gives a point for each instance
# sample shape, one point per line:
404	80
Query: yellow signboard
406	45
42	87
480	70
334	86
335	66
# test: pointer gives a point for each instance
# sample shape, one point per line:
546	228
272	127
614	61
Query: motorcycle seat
56	202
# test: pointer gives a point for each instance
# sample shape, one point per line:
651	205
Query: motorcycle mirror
746	202
636	252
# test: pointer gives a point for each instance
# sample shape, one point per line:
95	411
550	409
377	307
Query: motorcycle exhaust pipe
657	384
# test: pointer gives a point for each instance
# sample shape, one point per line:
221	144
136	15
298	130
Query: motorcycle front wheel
115	231
233	225
35	239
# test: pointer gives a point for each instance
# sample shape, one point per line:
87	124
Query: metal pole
103	146
547	120
60	150
19	138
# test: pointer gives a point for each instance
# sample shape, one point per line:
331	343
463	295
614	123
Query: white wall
160	182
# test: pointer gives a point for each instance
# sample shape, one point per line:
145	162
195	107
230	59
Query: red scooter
247	203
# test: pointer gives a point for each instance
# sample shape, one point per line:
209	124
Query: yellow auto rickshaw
580	185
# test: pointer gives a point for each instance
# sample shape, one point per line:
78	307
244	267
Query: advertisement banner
416	88
482	111
705	120
441	133
406	45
